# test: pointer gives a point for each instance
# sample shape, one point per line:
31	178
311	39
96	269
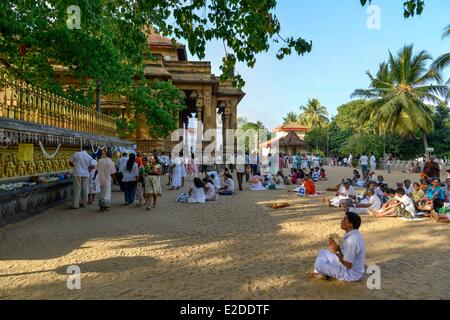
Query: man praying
345	262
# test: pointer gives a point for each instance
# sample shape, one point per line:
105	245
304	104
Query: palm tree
397	95
314	114
443	61
290	117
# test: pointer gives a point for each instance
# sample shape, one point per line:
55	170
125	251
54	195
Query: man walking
81	162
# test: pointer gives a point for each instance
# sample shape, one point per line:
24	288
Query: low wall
20	204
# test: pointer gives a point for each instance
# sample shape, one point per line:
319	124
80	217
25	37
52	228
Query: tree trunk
425	143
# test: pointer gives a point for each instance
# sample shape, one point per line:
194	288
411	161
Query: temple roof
291	126
291	139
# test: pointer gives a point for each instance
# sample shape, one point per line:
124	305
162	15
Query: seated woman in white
279	181
256	183
345	194
210	190
197	192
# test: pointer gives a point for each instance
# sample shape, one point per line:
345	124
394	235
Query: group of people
95	174
428	198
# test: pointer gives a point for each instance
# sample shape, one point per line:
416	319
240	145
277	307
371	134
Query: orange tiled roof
291	126
154	38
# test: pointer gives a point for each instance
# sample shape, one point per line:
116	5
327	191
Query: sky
344	48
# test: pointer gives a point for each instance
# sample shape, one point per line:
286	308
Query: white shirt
350	158
81	162
122	162
375	203
409	204
197	195
353	249
373	160
130	176
344	193
211	193
408	190
230	184
364	160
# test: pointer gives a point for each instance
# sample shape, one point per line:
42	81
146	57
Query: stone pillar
226	125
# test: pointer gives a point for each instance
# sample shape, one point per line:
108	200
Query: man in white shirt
407	203
364	163
81	162
346	262
344	196
374	204
349	160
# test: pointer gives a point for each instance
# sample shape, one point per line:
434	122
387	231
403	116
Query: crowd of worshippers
430	197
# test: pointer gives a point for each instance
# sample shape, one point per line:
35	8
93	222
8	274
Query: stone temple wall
17	205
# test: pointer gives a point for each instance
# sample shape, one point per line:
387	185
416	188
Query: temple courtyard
236	248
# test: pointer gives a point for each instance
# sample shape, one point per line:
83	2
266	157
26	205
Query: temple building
214	104
289	139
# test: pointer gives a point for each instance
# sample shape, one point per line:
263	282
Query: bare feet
314	275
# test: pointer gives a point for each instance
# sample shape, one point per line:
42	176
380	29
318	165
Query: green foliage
291	117
314	114
159	103
398	93
410	7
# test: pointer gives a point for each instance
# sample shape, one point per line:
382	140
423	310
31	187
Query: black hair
86	147
198	183
213	176
354	219
400	191
207	180
124	154
130	162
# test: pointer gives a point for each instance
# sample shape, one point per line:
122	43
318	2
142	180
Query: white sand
237	248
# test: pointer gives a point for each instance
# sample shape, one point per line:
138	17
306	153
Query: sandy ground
237	248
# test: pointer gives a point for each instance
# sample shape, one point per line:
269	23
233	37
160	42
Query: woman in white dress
197	192
106	174
177	173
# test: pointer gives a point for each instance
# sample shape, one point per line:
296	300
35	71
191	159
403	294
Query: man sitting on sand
344	196
346	262
441	217
374	204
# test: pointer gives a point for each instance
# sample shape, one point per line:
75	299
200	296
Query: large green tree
314	114
400	93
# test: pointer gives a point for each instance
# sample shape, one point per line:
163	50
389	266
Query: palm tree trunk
425	143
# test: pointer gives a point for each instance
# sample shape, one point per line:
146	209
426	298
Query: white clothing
177	172
230	184
350	158
122	162
375	206
409	190
129	176
364	160
344	194
408	204
197	195
211	193
353	249
81	162
257	187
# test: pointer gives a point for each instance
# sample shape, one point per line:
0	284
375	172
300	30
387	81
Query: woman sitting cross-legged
434	199
228	188
210	190
256	183
196	193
